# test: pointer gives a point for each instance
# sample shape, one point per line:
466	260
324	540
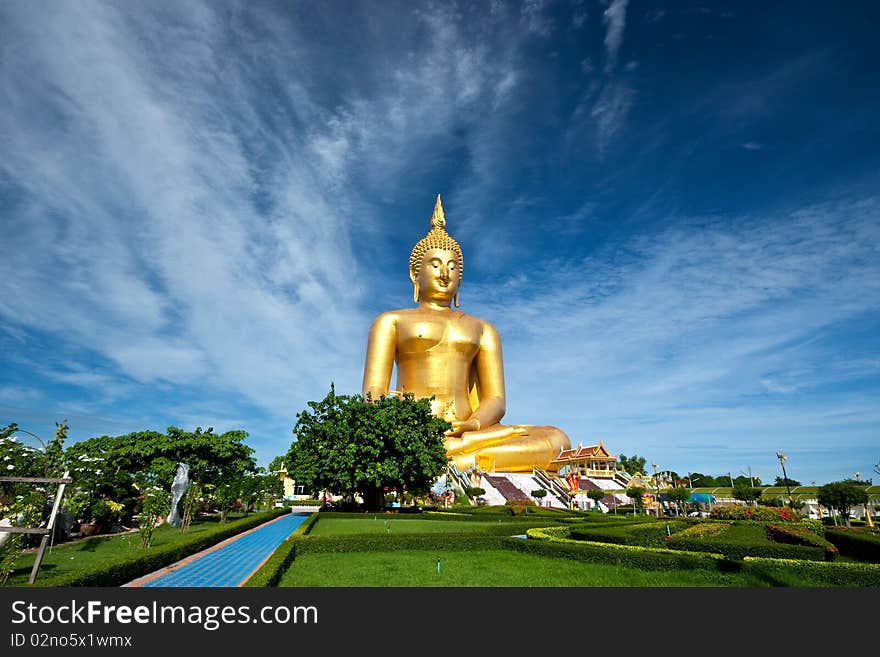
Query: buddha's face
438	276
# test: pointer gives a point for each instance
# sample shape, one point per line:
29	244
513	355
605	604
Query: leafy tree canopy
117	467
634	464
635	493
842	495
596	495
782	481
745	493
349	445
679	494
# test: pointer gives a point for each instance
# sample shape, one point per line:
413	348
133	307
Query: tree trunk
374	500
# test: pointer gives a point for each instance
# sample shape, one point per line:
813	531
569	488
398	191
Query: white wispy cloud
138	233
610	112
183	205
615	21
702	328
534	18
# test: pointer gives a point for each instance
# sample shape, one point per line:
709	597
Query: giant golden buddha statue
456	359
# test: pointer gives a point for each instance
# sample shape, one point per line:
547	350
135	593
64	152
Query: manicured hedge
502	514
761	513
650	534
383	542
821	573
856	543
744	539
122	571
273	569
797	535
553	542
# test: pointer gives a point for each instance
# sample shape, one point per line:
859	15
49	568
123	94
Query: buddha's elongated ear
415	291
455	299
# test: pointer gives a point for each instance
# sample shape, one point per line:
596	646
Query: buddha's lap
511	437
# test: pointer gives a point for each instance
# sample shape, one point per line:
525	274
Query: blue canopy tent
701	498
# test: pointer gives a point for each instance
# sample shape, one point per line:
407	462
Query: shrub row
644	534
270	573
552	542
857	543
383	543
820	573
763	513
703	530
798	535
124	570
741	540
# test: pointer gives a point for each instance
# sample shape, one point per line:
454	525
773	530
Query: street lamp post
781	458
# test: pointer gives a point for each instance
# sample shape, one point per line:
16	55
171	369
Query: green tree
350	445
781	481
115	467
635	493
276	463
632	464
474	492
539	493
596	496
154	503
679	495
261	489
26	504
745	493
843	496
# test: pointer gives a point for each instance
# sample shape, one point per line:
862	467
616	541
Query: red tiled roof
583	452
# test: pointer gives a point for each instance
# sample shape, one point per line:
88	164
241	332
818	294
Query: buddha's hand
461	426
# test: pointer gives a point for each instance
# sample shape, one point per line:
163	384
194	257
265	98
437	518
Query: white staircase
527	483
492	496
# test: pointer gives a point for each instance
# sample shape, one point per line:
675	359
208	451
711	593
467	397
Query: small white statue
178	489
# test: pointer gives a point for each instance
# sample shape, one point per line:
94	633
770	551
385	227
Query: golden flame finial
437	219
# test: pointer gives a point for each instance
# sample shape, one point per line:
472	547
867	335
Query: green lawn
88	554
489	568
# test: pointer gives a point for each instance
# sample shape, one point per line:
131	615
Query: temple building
588	468
587	461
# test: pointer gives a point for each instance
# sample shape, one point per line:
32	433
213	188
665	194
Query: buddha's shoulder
407	315
393	317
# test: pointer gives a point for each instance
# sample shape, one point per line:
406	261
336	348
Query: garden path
229	563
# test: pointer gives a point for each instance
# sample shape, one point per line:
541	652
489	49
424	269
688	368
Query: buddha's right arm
381	346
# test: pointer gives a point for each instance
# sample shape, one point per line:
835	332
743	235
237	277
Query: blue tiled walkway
231	564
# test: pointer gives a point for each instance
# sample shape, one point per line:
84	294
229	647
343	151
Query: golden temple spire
437	219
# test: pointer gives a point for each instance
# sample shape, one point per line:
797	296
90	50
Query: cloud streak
204	205
702	328
615	21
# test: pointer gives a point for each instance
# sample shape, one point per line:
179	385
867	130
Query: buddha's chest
457	336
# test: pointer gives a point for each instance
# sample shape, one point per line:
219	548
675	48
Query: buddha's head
436	263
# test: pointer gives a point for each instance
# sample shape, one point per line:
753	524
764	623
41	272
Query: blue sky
670	211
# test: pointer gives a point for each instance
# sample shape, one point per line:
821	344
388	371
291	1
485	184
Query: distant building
592	467
292	490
